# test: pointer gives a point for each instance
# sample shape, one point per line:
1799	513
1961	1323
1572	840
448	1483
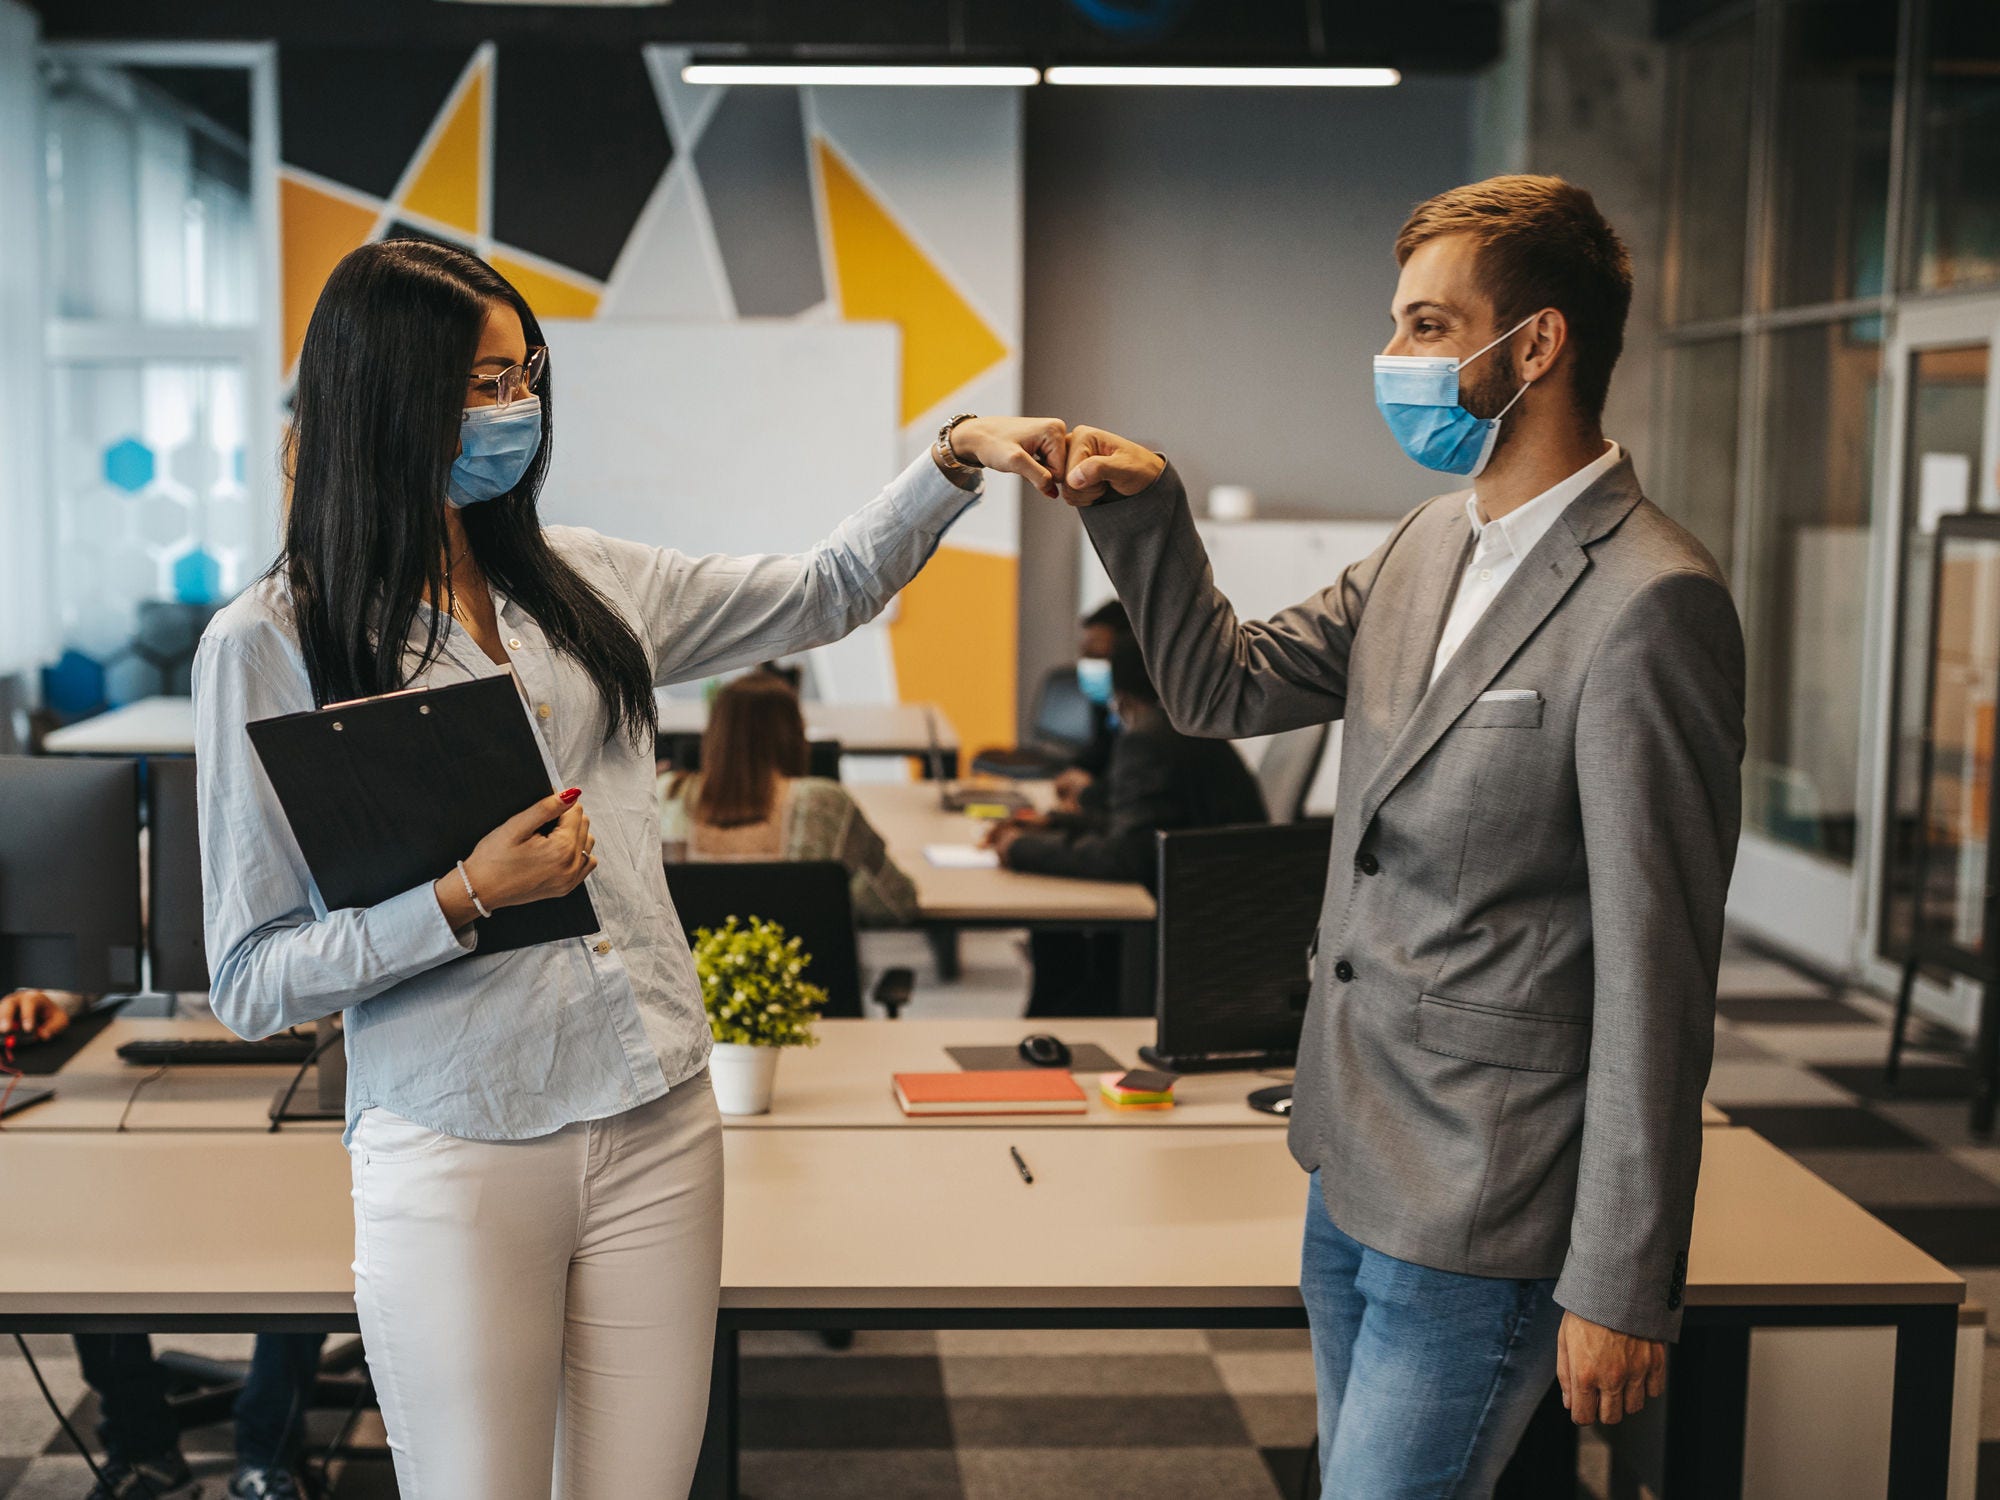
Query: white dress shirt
1499	546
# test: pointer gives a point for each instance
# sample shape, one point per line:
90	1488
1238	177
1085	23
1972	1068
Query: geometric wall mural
603	186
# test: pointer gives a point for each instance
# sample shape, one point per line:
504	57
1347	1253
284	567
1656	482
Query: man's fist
1606	1375
1032	447
1100	461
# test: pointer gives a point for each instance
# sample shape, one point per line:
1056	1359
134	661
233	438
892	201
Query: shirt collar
1519	530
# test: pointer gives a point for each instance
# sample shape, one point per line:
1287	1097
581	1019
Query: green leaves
752	985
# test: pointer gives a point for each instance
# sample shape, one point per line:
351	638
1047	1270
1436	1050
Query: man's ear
1548	342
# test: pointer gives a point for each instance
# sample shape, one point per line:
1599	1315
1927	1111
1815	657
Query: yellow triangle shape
883	277
549	295
450	185
315	229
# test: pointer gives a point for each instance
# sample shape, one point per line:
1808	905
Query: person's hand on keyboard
30	1016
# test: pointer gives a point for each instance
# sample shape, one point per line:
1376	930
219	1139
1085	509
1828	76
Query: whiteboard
752	436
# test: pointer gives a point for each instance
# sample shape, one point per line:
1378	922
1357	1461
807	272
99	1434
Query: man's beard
1486	392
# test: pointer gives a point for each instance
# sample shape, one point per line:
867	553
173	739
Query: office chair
1285	774
810	900
1063	724
682	752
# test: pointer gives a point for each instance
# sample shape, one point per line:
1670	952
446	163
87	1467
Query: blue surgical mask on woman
1417	395
496	445
1093	675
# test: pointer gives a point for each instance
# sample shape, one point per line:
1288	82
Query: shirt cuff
411	932
928	501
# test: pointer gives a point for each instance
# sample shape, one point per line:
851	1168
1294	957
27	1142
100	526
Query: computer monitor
173	869
1237	910
69	874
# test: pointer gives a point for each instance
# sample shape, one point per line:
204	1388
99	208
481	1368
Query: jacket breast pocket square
1504	708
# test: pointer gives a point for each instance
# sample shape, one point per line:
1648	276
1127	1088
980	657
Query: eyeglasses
512	383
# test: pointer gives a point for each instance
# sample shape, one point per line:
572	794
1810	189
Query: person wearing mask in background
535	1148
1158	779
754	800
1513	1010
142	1439
1102	628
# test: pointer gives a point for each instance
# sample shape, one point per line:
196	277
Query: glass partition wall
1833	184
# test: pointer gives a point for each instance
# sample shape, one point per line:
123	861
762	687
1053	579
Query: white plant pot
743	1076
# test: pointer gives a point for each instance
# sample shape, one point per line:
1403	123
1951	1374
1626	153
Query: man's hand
1606	1375
1033	447
1100	461
1000	837
31	1012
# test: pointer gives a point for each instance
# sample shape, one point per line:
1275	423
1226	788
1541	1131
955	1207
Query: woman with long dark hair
536	1159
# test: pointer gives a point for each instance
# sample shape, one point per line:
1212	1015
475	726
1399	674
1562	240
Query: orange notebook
1013	1091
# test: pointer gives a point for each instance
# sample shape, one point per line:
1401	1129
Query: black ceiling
1416	35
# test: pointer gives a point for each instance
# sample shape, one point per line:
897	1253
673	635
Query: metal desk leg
1920	1419
1545	1462
1708	1384
715	1470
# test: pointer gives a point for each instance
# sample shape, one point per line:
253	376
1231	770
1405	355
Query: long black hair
381	388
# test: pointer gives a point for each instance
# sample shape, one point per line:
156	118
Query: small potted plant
758	1002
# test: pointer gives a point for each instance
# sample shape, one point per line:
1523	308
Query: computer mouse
1045	1051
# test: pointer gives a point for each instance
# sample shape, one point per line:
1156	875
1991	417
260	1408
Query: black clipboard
385	794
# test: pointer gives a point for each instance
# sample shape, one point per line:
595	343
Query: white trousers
539	1314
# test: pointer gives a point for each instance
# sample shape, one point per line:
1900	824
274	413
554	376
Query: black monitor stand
1216	1062
328	1100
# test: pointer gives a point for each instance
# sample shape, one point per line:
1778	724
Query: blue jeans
137	1424
1426	1378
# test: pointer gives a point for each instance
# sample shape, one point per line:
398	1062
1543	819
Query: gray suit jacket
1513	1002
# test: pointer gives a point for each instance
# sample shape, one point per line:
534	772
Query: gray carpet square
830	1421
1083	1375
1279	1421
834	1474
1097	1422
1881	1179
846	1375
1232	1473
1793	1127
1266	1372
1789	1010
1256	1340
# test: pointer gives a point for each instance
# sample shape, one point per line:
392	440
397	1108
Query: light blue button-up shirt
522	1043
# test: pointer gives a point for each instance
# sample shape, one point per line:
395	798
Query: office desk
861	728
151	726
908	817
98	1089
165	726
843	1083
933	1228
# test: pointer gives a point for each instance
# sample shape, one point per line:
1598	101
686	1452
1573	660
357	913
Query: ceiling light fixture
1223	77
906	75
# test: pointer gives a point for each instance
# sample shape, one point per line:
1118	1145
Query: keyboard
274	1051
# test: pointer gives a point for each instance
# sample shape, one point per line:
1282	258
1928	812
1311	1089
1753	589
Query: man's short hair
1111	615
1541	243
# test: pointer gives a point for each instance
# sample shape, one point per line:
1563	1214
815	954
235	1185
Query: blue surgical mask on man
1418	396
496	445
1093	675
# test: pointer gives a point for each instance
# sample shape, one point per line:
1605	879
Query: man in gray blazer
1499	1085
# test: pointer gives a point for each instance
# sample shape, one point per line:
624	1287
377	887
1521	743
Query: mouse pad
39	1058
1084	1057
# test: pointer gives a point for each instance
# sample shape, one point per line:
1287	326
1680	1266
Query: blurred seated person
1158	778
136	1425
752	799
1103	628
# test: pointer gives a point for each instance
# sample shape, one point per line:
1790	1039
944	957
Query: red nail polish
572	794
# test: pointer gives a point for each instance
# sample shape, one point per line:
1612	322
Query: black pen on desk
1019	1165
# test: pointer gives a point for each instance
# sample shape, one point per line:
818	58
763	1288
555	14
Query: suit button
604	945
1368	864
1343	971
